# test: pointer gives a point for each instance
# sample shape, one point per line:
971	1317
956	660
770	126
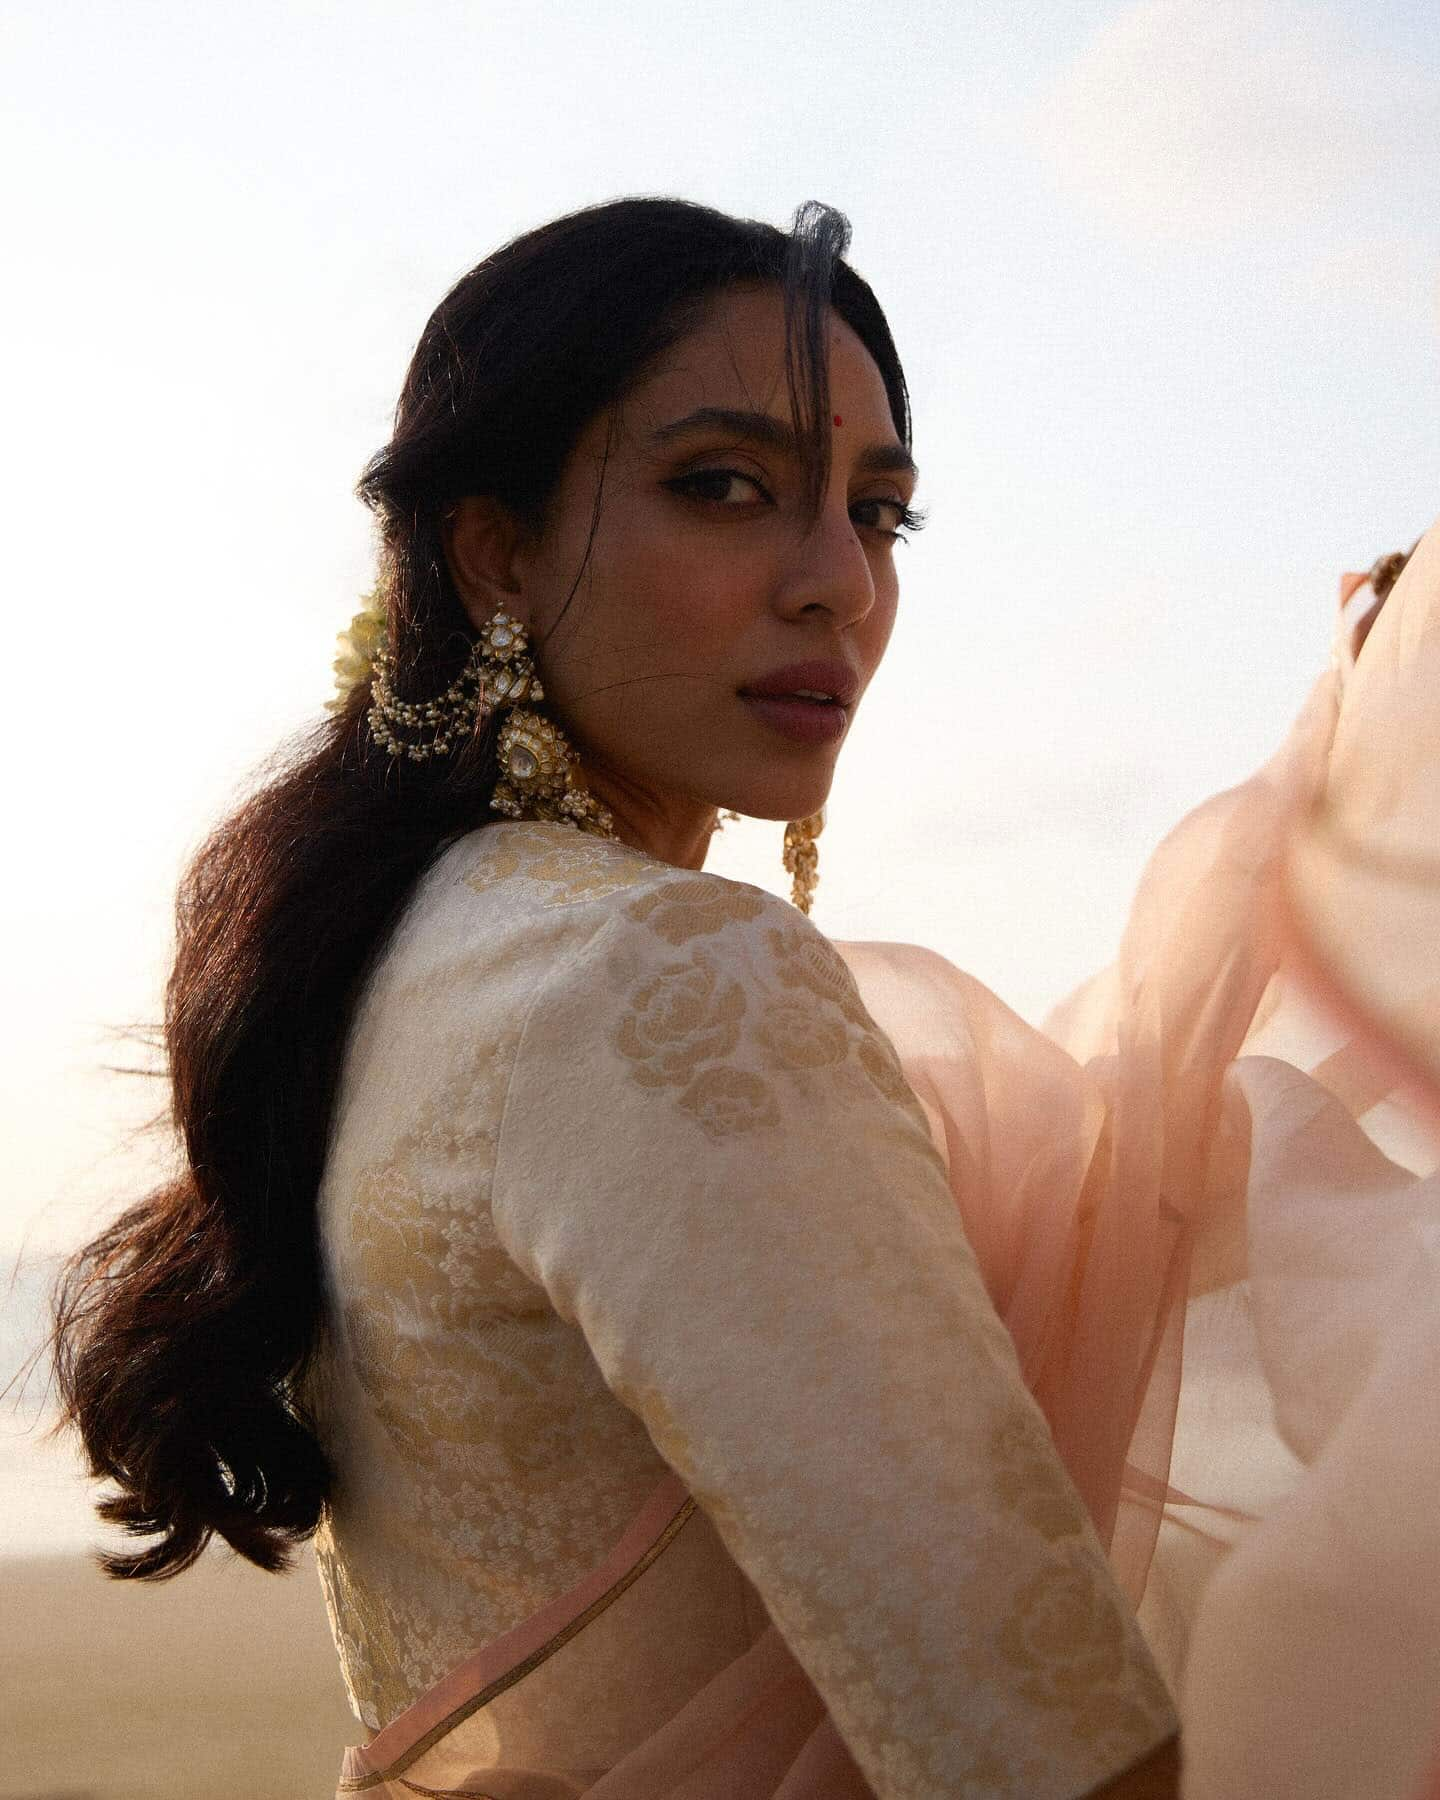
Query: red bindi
838	419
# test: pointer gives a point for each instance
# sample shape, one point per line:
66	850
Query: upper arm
702	1076
712	1162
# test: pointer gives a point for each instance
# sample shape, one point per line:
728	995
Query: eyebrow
875	459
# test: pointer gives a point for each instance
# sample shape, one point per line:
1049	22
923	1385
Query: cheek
684	603
879	624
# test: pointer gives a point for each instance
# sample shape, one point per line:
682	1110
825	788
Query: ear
485	549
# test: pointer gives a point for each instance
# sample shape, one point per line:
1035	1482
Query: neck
676	832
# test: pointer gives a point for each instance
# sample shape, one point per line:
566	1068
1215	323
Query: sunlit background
1163	276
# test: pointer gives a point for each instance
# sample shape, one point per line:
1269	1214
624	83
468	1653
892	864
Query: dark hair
182	1333
1386	570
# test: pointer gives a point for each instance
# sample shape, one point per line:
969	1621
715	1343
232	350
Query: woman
559	1232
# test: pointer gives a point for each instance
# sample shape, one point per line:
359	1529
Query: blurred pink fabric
1087	1162
1163	1188
1314	1664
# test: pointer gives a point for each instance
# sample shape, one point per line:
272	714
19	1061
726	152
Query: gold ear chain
540	772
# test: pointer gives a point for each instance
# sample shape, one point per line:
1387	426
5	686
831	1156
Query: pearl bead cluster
499	673
539	767
451	716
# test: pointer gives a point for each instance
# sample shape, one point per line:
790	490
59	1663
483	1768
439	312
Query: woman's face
704	580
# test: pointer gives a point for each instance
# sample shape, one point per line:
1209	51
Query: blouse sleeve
712	1163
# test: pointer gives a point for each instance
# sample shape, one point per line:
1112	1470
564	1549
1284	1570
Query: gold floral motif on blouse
1066	1639
726	1101
685	1014
691	1025
563	865
803	959
796	1035
695	906
1022	1467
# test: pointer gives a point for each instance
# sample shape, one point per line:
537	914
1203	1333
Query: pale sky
1163	277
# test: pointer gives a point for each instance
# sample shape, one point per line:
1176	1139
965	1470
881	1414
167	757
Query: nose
829	570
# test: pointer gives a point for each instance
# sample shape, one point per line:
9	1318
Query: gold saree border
458	1715
446	1793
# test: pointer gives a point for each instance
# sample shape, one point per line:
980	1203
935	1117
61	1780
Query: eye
905	518
717	486
714	484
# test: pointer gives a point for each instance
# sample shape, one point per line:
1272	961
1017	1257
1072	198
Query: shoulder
532	905
532	867
710	996
629	916
533	877
693	985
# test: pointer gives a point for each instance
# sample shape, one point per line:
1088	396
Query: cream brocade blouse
623	1175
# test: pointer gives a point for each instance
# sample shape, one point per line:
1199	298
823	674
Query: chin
785	801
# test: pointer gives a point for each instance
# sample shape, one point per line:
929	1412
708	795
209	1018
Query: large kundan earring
540	777
802	858
539	767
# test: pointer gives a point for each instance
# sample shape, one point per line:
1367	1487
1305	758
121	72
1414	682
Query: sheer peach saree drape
1102	1172
1315	1658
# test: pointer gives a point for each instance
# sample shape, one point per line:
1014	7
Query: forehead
734	356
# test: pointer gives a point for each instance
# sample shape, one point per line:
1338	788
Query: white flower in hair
355	650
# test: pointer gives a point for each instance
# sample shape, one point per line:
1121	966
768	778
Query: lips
804	721
837	680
